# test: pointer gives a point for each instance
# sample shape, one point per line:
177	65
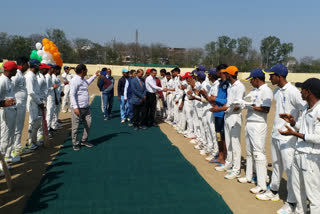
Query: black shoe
76	147
52	130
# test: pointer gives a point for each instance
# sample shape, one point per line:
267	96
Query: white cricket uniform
34	100
50	101
306	162
288	100
182	113
198	113
57	91
177	95
43	97
256	130
209	123
232	127
205	106
7	117
20	93
189	112
66	99
170	95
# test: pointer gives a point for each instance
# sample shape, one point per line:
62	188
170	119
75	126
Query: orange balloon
47	48
44	41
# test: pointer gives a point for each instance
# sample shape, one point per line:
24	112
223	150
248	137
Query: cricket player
306	162
66	76
20	93
43	97
50	100
259	103
8	114
233	122
34	103
57	93
288	100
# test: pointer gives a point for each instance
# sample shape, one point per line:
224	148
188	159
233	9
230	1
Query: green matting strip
126	172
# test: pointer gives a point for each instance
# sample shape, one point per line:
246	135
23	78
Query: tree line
235	51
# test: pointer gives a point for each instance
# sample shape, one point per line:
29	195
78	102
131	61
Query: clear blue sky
175	23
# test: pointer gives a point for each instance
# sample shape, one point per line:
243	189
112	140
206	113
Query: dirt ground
27	174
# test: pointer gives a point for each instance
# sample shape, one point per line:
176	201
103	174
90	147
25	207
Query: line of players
34	87
208	110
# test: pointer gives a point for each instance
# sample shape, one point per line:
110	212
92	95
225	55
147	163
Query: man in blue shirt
221	100
106	86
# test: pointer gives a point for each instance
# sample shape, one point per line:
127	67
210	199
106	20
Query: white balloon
38	45
45	61
40	53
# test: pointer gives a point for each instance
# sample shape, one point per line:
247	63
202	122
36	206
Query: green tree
19	46
273	51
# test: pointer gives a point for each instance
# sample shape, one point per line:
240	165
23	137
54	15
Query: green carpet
126	172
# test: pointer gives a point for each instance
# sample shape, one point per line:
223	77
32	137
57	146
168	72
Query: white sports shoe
69	110
244	180
203	152
190	136
64	111
32	146
232	175
193	141
197	146
257	190
14	159
123	121
209	158
222	168
268	195
286	209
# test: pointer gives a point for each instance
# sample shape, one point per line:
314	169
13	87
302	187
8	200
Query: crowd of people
34	87
206	107
203	105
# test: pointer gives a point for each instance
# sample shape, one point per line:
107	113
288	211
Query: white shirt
164	82
6	89
49	85
43	86
56	80
33	88
236	91
262	97
125	93
19	85
214	89
170	84
309	125
66	78
79	94
288	100
151	85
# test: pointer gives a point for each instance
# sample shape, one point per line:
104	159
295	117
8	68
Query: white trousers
198	113
35	118
210	133
176	115
50	111
170	112
282	152
66	98
255	148
189	112
8	126
306	181
232	130
21	114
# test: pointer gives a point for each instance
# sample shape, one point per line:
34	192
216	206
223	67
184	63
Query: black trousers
138	114
151	102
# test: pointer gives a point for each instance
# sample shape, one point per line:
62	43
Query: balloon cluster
47	53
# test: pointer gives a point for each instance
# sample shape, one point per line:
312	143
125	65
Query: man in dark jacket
106	85
138	100
123	102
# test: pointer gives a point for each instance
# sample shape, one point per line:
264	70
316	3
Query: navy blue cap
311	84
194	72
34	62
50	65
278	69
256	73
65	67
213	72
201	68
201	75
